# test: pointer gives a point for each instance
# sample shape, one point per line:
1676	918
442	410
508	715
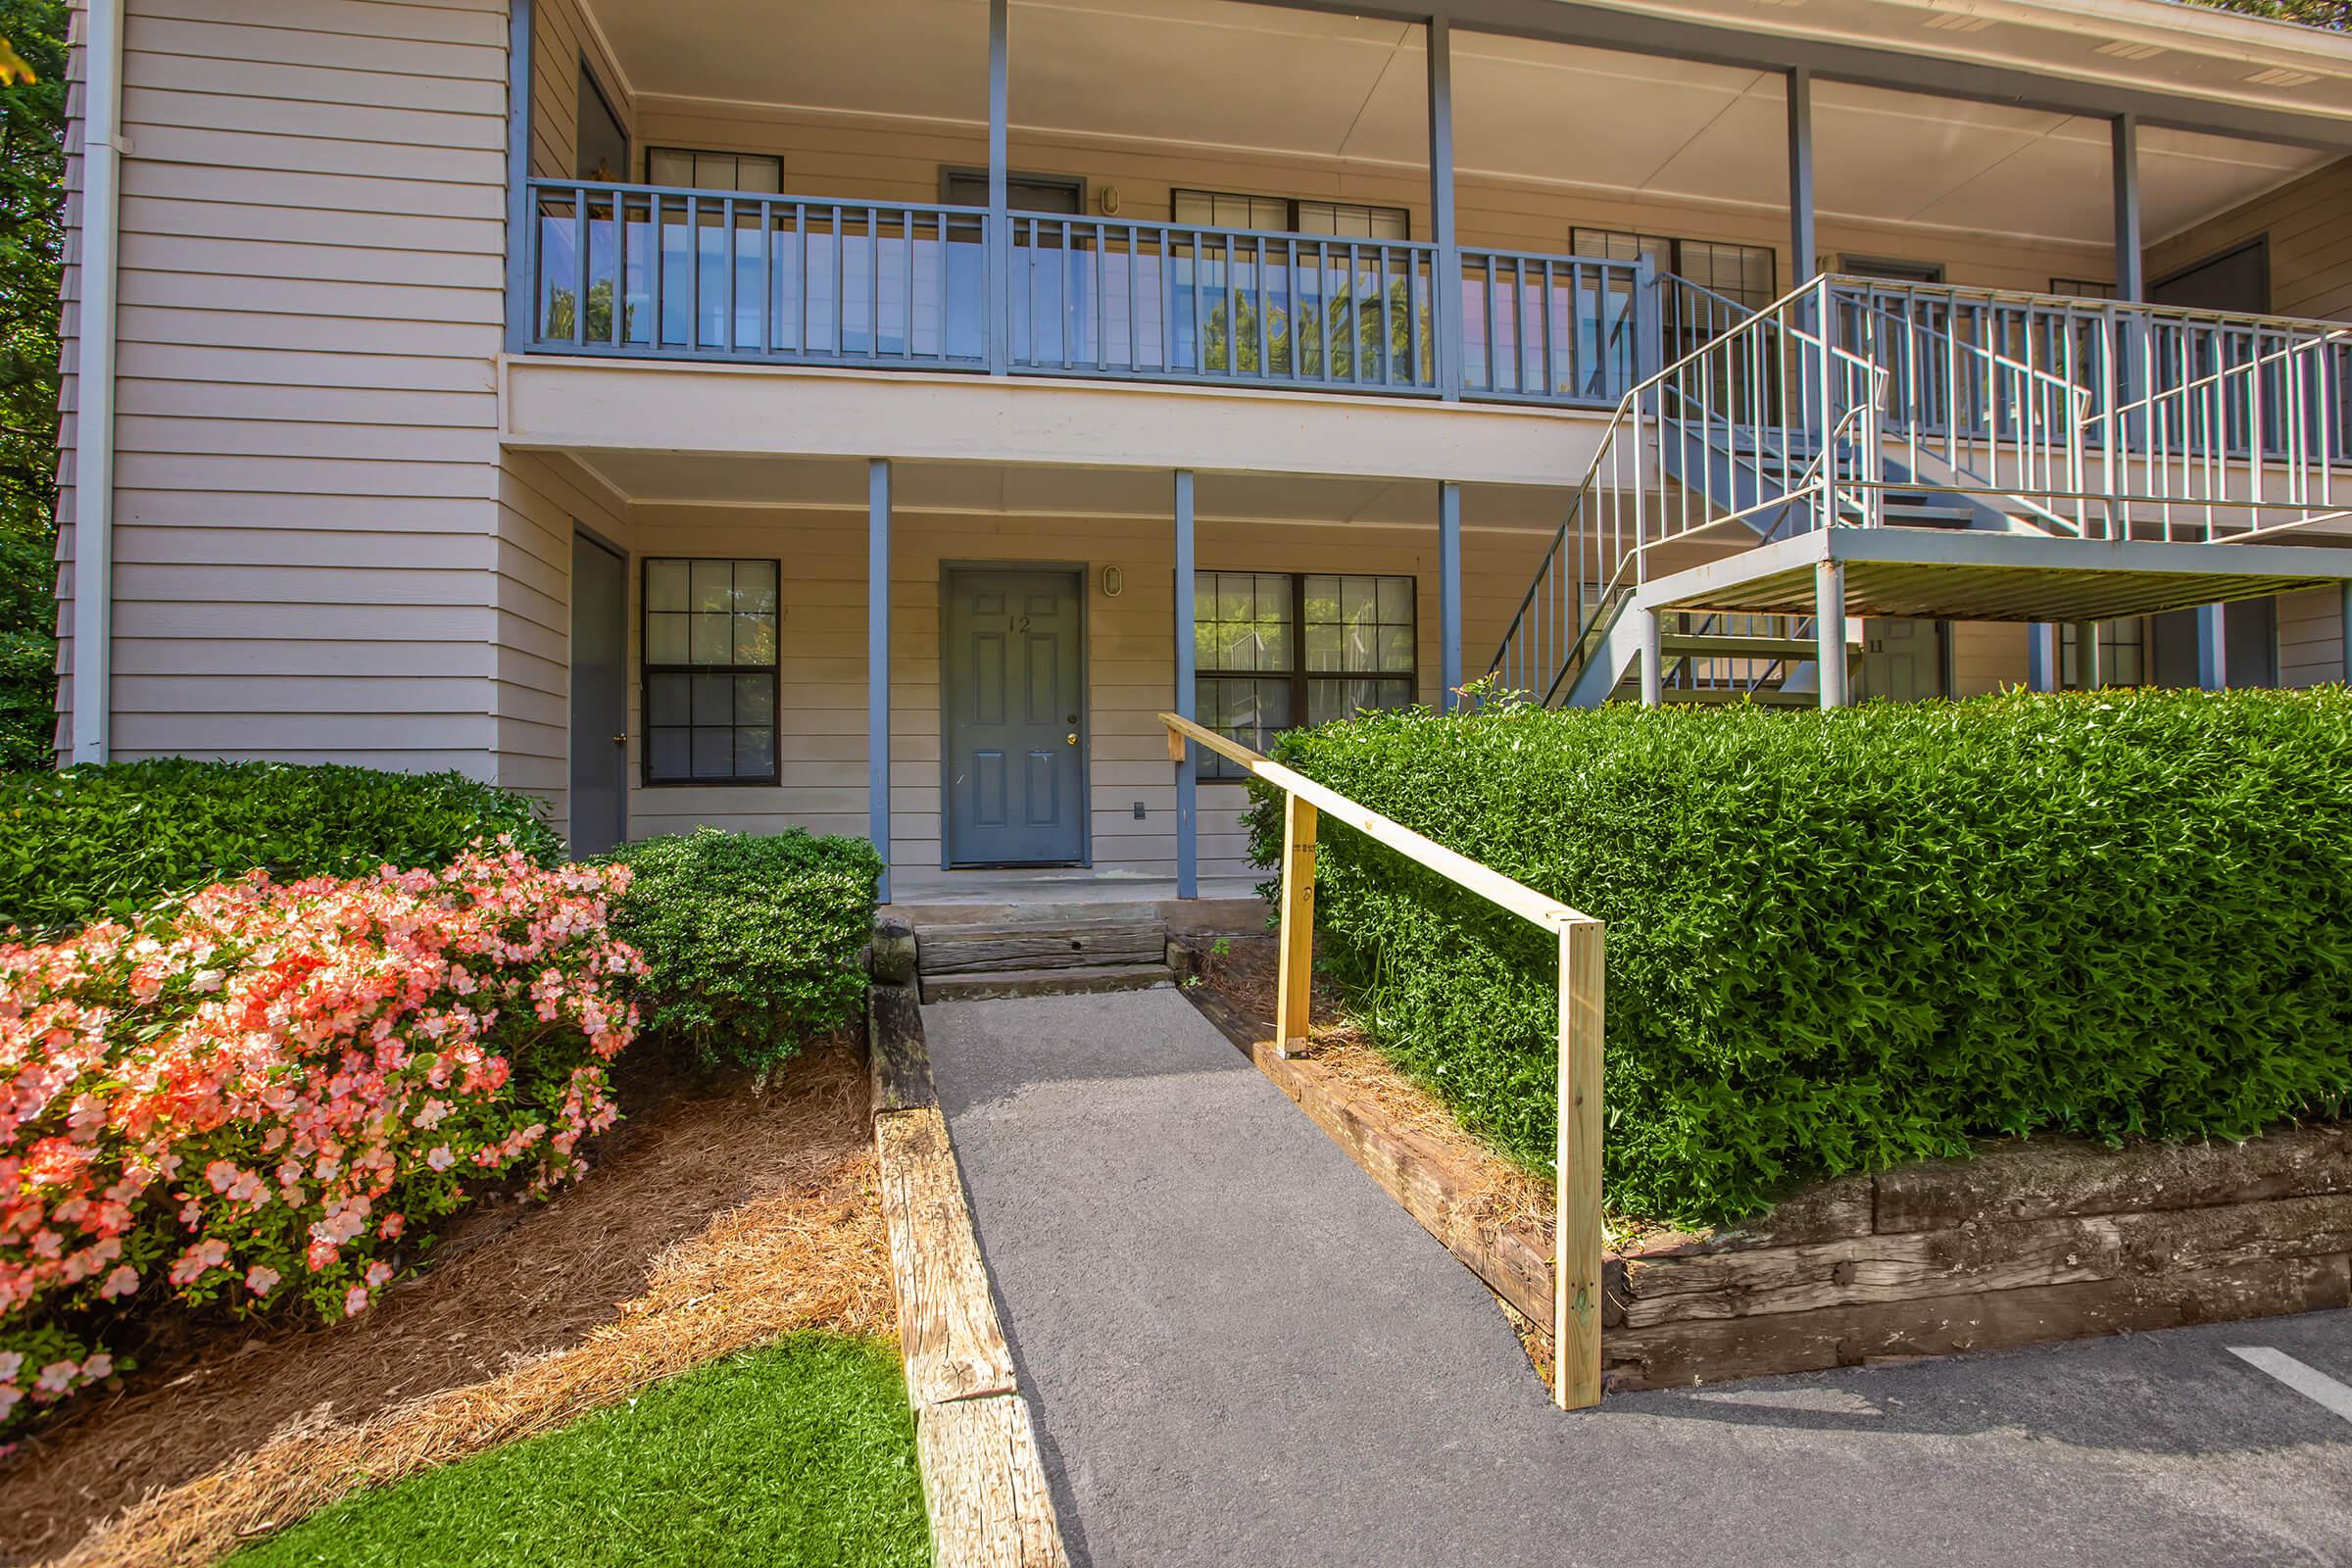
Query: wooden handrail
1517	897
1576	1277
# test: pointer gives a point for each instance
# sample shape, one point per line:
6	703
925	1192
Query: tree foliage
2333	15
32	168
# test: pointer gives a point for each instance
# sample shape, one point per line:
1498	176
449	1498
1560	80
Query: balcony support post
2343	626
518	175
1449	595
877	666
2131	277
998	301
2088	675
1445	288
2042	657
1802	245
1653	658
2213	648
1829	630
1188	826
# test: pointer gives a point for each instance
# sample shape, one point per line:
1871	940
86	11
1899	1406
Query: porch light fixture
1108	198
1114	582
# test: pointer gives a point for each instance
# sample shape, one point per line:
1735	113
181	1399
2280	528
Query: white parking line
2310	1382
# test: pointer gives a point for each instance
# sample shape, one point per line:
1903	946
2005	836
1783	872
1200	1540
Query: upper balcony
1255	198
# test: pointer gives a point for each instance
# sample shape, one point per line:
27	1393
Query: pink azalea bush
264	1094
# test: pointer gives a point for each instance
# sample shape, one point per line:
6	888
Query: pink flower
441	1159
55	1379
392	1226
355	1301
261	1279
121	1283
98	1367
377	1273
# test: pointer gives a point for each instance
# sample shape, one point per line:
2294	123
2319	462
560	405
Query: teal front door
1012	660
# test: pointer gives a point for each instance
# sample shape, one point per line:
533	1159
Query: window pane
1328	699
755	752
756	639
668	700
666	756
755	700
712	639
762	176
1242	620
671	168
714	171
665	585
1396	649
714	584
714	753
713	699
1396	600
756	585
665	639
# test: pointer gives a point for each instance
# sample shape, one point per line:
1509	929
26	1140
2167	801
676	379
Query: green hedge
1844	940
754	940
111	840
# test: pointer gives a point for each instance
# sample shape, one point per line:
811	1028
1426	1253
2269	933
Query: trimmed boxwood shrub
111	840
1843	941
754	940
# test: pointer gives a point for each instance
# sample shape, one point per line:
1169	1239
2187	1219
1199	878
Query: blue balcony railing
637	270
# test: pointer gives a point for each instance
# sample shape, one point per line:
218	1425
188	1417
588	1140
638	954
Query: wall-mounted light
1114	582
1106	197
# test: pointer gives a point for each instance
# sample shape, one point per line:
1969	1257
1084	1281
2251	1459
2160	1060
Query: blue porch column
1447	287
1803	249
2213	648
2042	657
877	666
1449	595
1188	826
998	248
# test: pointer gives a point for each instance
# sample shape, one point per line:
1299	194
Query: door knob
1071	738
620	740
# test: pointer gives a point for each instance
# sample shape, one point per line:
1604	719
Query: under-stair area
1861	449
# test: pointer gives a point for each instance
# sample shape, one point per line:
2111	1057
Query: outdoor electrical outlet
1139	811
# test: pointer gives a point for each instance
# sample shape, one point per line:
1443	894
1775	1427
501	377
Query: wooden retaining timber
984	1483
2028	1243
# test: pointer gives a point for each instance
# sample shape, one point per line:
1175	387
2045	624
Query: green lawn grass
801	1453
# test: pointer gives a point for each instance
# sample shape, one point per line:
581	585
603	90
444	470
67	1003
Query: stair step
989	985
1713	697
1730	645
1086	943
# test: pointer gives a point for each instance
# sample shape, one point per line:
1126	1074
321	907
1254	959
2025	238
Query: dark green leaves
754	940
1842	941
112	839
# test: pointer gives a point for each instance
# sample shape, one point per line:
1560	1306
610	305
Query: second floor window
710	672
752	174
1215	209
1275	649
1743	273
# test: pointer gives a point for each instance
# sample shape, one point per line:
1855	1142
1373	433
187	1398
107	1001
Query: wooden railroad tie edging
2031	1242
984	1481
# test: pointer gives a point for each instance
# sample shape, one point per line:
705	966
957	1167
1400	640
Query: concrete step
1065	945
987	985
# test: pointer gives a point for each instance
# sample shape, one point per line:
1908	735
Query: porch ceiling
655	479
1218	73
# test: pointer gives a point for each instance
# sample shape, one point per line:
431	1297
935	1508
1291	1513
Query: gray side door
1013	673
1903	660
600	742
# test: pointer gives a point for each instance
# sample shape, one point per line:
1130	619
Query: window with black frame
1276	649
711	673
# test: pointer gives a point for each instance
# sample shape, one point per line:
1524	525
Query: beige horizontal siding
878	159
307	558
1130	659
561	38
2309	226
540	500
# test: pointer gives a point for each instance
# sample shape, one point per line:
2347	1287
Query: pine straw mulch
714	1221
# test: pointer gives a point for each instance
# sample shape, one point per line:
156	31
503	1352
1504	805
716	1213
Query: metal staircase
1955	450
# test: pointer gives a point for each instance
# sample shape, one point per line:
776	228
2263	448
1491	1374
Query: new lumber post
1577	1237
1294	985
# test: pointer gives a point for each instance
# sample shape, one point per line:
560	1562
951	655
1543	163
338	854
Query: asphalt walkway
1242	1351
